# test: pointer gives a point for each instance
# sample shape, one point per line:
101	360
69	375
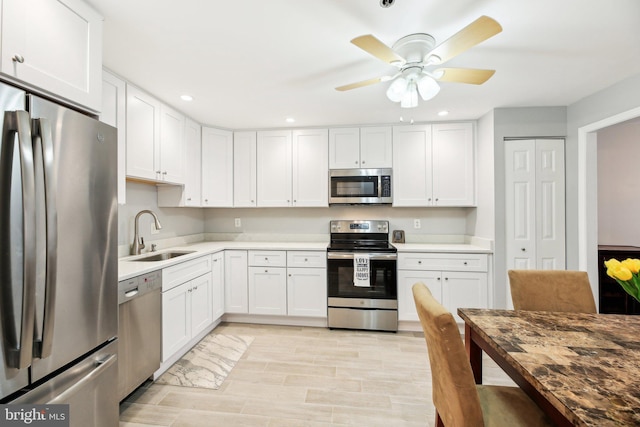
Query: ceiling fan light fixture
410	97
428	87
397	89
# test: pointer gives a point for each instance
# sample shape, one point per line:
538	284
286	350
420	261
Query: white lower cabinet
236	292
456	280
307	292
217	284
187	307
268	290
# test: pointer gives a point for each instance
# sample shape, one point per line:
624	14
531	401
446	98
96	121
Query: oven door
382	276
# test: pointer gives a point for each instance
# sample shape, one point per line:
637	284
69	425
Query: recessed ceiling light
443	113
186	98
290	120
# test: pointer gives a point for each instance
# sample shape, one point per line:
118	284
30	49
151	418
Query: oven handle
372	256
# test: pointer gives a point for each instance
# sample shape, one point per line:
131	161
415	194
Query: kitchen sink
162	256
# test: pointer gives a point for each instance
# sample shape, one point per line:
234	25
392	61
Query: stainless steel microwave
360	186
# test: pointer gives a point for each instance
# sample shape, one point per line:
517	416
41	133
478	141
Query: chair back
454	390
551	290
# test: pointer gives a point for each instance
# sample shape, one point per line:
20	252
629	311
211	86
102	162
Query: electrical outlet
238	222
416	223
153	228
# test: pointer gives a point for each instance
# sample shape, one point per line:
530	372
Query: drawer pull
18	58
419	262
465	263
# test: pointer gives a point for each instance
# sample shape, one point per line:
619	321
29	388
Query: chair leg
439	422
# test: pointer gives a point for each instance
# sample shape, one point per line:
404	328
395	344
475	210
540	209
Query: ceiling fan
415	54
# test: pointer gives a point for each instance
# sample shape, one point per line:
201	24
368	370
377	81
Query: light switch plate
238	222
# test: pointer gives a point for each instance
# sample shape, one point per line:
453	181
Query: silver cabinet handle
523	250
18	58
131	292
18	346
363	162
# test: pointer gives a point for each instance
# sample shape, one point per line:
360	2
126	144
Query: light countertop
128	267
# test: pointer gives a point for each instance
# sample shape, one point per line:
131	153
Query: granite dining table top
585	365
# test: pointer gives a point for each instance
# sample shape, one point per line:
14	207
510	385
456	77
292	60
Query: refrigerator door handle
43	157
17	325
98	367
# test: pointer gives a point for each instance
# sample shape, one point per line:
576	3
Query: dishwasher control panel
139	285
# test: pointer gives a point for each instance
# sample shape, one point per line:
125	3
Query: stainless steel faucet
138	242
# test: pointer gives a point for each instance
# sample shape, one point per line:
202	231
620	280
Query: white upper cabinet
434	165
244	169
217	168
193	173
54	46
367	147
274	168
113	113
310	168
155	139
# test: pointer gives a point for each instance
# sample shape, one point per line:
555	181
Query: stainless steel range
361	276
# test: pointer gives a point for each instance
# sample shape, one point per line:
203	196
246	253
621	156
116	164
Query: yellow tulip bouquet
627	274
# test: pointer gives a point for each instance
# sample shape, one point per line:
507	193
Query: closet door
535	204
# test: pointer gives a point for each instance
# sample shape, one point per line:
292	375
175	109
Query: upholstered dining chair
458	400
551	290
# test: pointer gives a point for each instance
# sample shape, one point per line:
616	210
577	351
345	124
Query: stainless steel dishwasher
139	330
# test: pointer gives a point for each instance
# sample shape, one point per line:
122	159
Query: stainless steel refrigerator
58	259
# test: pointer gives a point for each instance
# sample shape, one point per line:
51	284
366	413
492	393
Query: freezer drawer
89	388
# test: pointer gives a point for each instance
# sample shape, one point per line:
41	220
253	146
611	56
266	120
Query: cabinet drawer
268	258
435	261
185	271
307	259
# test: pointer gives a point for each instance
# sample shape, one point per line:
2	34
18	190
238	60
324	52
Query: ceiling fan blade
478	31
375	47
364	83
472	76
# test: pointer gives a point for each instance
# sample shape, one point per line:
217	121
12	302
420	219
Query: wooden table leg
439	422
474	352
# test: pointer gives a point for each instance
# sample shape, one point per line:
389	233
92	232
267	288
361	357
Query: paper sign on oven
361	270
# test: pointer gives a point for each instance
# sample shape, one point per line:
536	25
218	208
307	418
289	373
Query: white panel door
453	165
193	170
376	149
244	169
217	168
268	290
464	290
143	135
307	292
235	282
176	319
274	168
344	148
201	303
172	150
310	172
406	280
412	179
550	202
114	106
58	44
535	205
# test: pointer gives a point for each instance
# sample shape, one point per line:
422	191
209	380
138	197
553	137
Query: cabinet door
274	168
464	290
114	103
376	149
453	165
201	303
406	280
235	282
217	284
193	171
172	150
344	148
217	168
307	292
176	319
310	168
143	135
56	46
244	169
412	179
267	290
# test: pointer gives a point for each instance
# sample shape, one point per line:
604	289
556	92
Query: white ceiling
249	64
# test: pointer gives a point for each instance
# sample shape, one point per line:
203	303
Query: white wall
175	221
619	184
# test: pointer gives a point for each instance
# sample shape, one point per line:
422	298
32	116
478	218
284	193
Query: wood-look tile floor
300	376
